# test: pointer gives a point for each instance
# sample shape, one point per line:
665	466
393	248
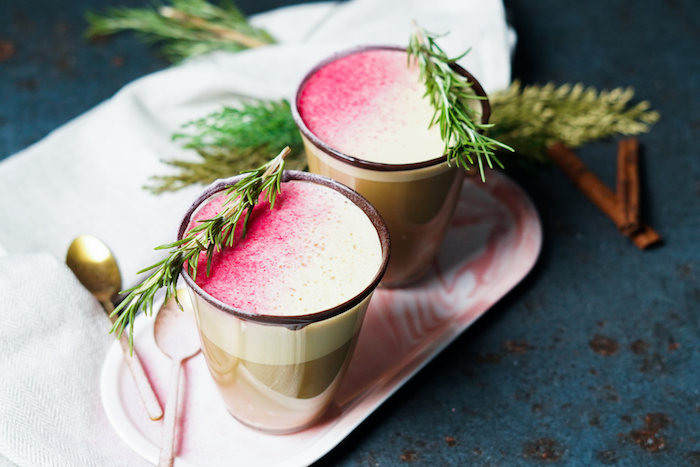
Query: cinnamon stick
628	184
645	237
596	191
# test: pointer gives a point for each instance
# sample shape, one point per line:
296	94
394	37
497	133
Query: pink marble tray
493	243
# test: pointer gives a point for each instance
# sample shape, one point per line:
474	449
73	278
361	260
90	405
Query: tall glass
416	200
278	374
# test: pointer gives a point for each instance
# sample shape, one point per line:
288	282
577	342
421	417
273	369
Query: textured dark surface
595	358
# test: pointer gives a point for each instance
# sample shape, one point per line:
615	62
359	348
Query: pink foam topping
279	247
361	96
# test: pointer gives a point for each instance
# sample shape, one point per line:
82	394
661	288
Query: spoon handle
166	458
142	383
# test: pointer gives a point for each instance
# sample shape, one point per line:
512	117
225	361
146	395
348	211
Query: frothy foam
313	251
371	105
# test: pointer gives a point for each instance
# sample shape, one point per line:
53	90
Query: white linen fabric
50	410
87	177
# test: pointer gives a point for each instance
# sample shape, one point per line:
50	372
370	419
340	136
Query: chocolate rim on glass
278	374
416	200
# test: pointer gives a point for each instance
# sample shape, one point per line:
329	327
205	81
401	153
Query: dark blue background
524	385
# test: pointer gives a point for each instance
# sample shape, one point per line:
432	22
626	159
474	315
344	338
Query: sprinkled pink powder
366	96
279	247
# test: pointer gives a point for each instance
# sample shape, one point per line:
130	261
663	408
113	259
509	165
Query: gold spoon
95	267
176	334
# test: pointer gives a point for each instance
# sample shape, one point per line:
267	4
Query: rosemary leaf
450	94
206	237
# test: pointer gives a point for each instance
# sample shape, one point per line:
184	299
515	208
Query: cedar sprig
185	28
528	119
531	118
450	94
234	140
208	236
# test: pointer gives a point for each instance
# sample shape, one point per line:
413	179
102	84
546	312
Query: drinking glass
416	200
278	374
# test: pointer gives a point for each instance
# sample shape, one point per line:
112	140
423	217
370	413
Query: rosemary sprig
450	94
234	140
531	118
208	236
186	28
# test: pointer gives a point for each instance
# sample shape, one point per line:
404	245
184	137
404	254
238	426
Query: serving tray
493	242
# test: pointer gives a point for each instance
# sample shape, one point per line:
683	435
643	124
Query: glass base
287	431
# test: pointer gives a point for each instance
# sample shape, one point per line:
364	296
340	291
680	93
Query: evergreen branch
185	29
206	237
450	94
232	141
528	119
532	118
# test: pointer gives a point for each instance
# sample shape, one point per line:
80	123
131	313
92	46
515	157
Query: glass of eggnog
364	119
279	312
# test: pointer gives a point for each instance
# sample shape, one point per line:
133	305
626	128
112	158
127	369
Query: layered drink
280	312
365	122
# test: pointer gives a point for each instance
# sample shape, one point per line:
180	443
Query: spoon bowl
95	267
175	332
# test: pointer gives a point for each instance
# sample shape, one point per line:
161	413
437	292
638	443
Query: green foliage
207	237
450	94
531	118
235	140
185	29
527	119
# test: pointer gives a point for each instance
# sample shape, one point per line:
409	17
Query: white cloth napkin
87	177
50	410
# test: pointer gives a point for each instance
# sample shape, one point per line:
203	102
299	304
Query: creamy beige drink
280	311
365	122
